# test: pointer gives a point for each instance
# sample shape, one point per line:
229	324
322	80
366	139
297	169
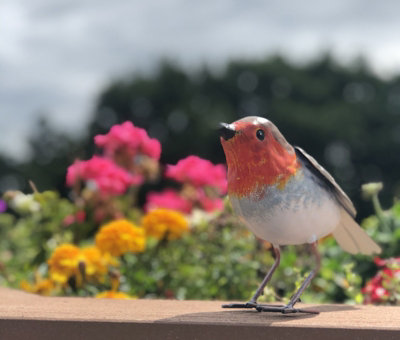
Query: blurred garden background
107	109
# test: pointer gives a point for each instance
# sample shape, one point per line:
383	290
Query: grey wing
326	178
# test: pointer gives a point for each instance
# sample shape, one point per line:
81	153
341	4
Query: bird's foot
249	304
288	309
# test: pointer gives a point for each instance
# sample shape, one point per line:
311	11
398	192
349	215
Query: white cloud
56	55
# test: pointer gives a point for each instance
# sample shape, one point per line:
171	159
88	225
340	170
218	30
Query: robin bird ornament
285	197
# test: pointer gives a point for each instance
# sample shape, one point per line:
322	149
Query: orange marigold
110	294
119	237
42	287
97	263
64	262
165	222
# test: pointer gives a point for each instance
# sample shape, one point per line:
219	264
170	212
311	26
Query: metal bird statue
285	197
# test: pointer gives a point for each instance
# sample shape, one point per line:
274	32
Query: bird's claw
288	309
249	304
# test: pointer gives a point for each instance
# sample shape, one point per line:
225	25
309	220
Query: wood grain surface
27	316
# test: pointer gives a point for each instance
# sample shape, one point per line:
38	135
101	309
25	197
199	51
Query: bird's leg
309	278
267	277
253	301
289	308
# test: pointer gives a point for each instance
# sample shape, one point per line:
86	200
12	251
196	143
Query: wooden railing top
27	316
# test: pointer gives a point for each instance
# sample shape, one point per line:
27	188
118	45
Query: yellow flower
119	237
97	263
26	286
42	287
161	222
110	294
64	262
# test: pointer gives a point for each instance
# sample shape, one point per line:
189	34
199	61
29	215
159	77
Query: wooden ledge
27	316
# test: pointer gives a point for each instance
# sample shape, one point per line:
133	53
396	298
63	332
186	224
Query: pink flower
212	204
80	216
169	199
380	262
107	177
129	138
3	206
209	204
68	220
380	291
375	291
199	172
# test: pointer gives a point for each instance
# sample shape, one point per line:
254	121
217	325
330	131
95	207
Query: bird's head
257	155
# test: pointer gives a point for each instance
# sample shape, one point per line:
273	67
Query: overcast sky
55	56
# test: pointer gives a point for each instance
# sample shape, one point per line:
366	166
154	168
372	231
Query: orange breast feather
252	166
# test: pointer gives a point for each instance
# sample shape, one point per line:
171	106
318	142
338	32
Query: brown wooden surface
27	316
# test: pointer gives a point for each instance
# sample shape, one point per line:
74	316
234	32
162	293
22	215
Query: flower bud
371	189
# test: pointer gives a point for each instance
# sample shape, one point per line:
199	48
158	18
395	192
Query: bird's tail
352	238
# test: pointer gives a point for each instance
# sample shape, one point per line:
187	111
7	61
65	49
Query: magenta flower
3	206
209	204
128	138
68	220
199	172
378	289
169	199
104	173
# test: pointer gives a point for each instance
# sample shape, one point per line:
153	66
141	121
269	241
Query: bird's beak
226	131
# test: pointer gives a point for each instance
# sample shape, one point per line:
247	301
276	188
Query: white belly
301	213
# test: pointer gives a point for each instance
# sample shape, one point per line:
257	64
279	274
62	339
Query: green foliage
385	229
226	262
218	259
213	261
30	234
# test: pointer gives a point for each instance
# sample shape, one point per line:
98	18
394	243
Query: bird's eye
260	134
